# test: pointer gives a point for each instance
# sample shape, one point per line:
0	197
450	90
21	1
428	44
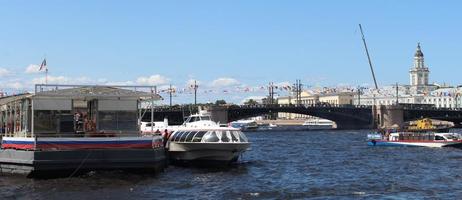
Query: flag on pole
43	65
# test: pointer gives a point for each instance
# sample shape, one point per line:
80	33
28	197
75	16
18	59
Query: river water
281	165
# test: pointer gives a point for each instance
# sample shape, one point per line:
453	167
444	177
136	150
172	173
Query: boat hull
318	127
414	143
212	152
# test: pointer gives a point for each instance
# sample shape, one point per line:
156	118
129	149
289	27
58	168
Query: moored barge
70	129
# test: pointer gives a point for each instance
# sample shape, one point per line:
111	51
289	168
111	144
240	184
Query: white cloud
51	80
283	84
32	69
15	85
4	72
63	80
224	82
155	79
124	83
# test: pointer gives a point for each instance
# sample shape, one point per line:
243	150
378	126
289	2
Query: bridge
345	116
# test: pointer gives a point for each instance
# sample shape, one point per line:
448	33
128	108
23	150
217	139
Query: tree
220	102
250	102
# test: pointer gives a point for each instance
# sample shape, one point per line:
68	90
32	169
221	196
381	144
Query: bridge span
345	116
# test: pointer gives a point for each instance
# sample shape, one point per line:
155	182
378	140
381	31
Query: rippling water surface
281	165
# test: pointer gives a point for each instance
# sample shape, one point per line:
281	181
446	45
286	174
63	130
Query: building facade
342	98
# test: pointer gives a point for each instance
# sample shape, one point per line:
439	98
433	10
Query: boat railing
70	135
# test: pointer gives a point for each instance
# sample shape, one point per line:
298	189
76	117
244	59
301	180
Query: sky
225	45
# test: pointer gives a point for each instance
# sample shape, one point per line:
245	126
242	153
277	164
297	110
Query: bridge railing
321	105
318	105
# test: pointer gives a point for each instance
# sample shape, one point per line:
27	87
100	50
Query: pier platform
38	163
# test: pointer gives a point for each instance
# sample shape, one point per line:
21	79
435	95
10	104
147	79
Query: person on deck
157	132
165	136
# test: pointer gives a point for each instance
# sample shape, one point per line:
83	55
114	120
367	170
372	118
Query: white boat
245	125
415	139
201	139
423	133
318	124
156	127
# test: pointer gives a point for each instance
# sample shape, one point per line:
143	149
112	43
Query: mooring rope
80	165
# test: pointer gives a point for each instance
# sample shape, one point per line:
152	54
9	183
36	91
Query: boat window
177	138
242	137
198	136
183	136
437	137
207	118
224	137
175	135
193	119
451	137
235	136
190	136
210	137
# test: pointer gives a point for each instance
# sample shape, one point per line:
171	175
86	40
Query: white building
418	92
419	73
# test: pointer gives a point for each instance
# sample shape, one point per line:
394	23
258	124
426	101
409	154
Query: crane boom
368	58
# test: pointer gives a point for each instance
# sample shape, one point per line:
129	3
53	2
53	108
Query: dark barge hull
72	162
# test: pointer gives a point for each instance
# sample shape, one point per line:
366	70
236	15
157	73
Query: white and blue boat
421	134
414	139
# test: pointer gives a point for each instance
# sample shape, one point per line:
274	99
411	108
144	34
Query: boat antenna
368	57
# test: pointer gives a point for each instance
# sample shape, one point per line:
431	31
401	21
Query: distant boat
318	124
245	125
428	139
421	134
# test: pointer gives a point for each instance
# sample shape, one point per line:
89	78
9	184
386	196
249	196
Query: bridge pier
387	116
219	114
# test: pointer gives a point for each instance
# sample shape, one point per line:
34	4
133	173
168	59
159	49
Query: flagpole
46	76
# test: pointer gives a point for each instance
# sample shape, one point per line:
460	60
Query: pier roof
98	92
8	99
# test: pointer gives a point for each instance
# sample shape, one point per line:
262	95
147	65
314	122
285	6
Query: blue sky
226	44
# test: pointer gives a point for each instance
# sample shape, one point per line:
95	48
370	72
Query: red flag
43	65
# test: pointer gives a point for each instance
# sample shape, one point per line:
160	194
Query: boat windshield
451	136
437	137
210	136
205	118
220	136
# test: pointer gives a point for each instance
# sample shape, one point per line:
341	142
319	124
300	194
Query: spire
418	52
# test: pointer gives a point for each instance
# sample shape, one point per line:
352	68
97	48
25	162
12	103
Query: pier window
53	122
118	120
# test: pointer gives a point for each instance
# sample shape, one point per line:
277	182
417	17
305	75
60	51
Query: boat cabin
400	136
208	136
